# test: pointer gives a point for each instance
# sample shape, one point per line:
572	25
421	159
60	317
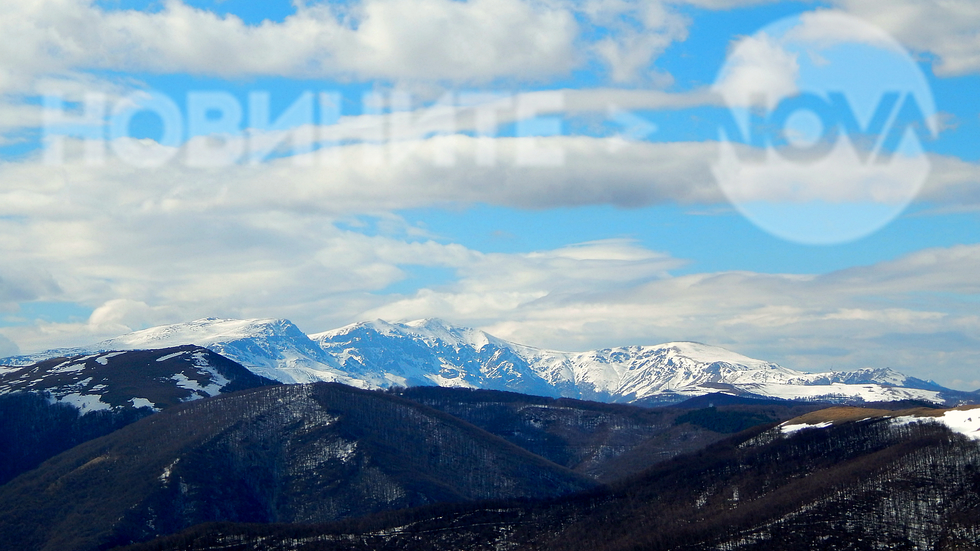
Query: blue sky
585	201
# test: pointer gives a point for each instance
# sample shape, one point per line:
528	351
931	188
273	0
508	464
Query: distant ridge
716	399
381	354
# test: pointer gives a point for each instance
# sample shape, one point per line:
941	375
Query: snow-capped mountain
133	379
272	348
431	352
379	354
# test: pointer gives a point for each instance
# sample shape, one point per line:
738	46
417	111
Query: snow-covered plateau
380	354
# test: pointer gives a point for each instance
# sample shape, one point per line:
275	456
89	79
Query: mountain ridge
381	354
864	480
282	453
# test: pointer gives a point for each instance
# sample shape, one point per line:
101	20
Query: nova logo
829	117
871	142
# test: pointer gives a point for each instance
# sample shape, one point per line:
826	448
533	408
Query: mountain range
207	435
833	479
381	354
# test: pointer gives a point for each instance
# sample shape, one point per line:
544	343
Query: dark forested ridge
866	484
33	429
127	386
288	453
604	441
328	466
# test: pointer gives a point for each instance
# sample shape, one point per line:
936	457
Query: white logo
828	119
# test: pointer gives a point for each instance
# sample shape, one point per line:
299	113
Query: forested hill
836	480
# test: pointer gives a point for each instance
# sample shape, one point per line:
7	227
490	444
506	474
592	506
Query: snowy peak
131	379
429	352
436	330
432	331
707	354
381	354
204	332
271	348
433	352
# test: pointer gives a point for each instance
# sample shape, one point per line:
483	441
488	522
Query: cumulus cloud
8	347
946	29
758	70
65	46
953	182
143	247
532	172
263	240
377	177
18	284
416	39
640	32
868	316
825	28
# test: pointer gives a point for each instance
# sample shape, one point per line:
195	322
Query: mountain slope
271	348
51	406
853	480
603	441
131	379
286	453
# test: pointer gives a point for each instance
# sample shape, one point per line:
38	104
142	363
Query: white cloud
944	28
472	41
477	40
262	240
953	182
825	28
143	247
18	284
869	316
8	347
375	178
724	4
758	70
59	46
638	33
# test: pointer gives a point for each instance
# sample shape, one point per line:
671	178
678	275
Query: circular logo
828	116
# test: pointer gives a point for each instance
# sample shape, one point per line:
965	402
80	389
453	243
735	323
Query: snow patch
965	422
84	402
143	403
704	353
183	381
104	360
790	429
171	356
68	367
454	382
167	471
865	392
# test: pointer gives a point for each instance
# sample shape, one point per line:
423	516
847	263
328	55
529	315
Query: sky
795	181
